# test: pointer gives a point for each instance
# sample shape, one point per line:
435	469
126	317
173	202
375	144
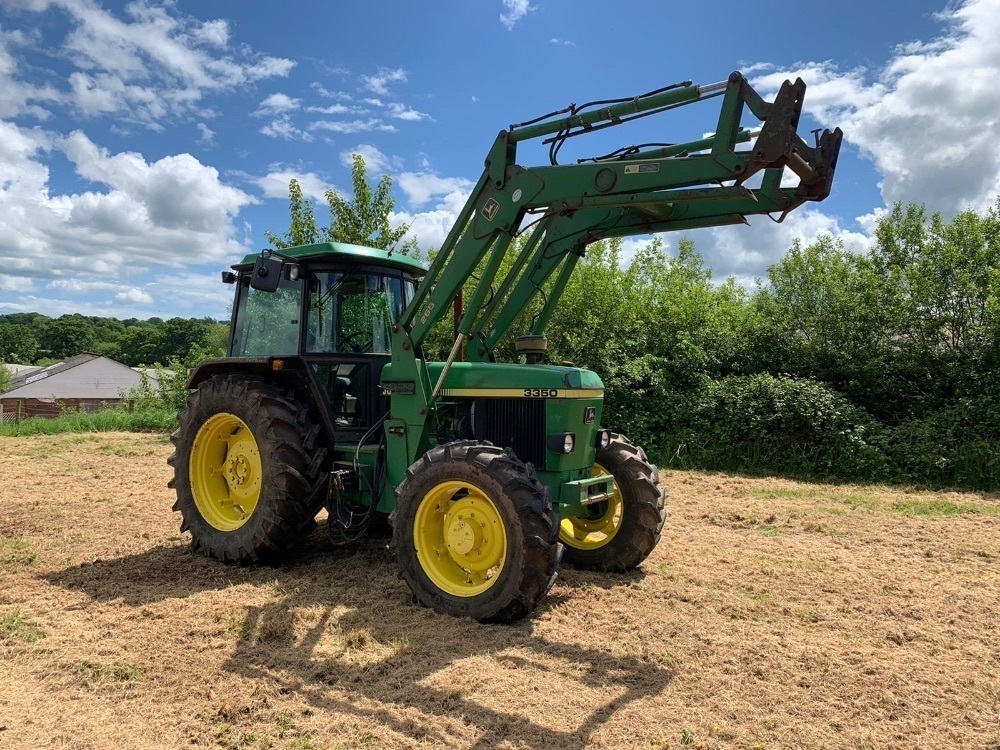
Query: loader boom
631	191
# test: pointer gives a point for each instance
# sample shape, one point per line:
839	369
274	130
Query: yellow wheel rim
460	538
225	471
594	530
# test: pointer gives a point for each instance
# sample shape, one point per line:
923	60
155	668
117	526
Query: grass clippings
773	614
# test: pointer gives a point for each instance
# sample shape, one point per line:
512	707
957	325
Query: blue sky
144	146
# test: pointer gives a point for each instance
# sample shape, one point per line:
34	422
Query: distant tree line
32	338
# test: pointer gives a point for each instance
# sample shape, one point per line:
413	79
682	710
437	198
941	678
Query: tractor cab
332	307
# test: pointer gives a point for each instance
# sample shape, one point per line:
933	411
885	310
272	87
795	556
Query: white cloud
275	183
18	97
283	127
475	98
379	82
930	118
322	91
514	11
138	215
149	64
192	290
746	252
277	104
176	192
19	284
347	127
215	33
403	112
339	109
430	228
421	187
206	135
135	297
375	160
562	42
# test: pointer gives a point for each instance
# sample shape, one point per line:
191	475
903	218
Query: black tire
530	525
642	516
290	463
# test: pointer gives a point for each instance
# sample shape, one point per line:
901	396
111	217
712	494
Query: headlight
561	442
603	439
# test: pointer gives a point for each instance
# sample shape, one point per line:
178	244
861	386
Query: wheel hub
238	470
459	538
226	471
464	536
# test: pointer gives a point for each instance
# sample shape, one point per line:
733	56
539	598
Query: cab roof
341	251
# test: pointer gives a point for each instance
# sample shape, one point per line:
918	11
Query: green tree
302	227
68	335
361	220
141	345
5	378
17	343
365	219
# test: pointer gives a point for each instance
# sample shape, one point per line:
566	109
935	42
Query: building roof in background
18	370
26	378
86	376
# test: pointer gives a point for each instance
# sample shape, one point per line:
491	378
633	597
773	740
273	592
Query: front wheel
619	533
475	533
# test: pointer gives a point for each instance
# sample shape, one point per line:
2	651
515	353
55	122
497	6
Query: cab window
268	323
353	312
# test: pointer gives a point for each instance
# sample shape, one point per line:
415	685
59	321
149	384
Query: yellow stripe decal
523	392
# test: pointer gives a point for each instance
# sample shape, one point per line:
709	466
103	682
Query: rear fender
291	373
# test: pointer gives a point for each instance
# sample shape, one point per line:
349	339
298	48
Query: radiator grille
518	424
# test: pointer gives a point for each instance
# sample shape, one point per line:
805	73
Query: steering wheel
345	340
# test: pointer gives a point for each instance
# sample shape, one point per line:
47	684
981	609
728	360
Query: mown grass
14	626
934	508
924	508
16	551
115	675
109	420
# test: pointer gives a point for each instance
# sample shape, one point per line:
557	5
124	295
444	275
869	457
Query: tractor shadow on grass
344	634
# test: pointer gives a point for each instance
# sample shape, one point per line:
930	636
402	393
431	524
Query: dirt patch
773	614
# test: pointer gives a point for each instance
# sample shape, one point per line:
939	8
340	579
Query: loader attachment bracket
776	142
829	151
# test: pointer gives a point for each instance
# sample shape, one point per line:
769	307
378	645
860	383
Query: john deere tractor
489	473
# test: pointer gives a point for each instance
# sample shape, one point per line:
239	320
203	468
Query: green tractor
489	473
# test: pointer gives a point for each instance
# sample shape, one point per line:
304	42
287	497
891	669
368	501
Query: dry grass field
773	615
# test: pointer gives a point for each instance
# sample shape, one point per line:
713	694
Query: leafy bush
778	424
169	392
955	446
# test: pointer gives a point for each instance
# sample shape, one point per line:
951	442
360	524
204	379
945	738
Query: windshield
353	312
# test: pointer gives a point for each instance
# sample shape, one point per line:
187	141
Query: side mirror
266	273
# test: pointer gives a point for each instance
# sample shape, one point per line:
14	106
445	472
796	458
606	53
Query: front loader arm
634	190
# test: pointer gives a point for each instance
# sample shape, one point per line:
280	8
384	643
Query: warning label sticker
643	168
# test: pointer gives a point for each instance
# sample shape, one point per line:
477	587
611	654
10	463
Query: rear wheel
244	466
619	533
475	534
